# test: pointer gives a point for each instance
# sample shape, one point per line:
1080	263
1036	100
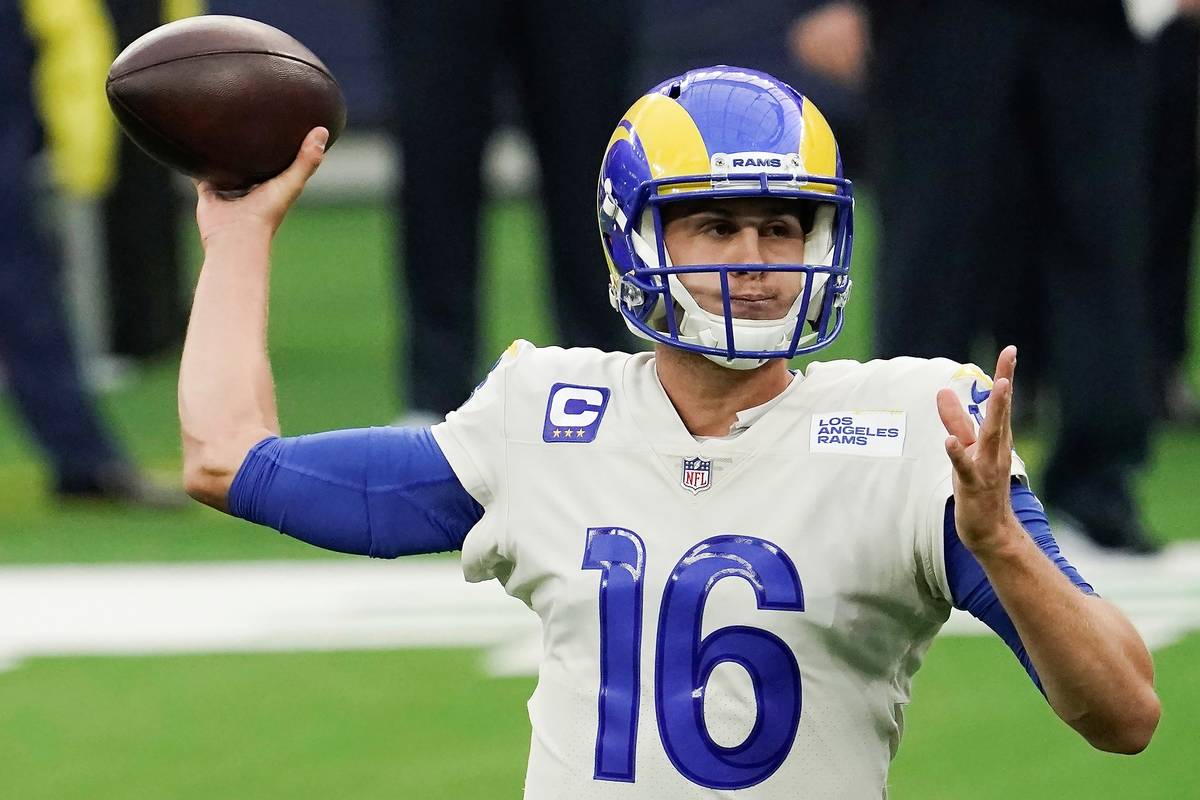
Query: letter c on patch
575	407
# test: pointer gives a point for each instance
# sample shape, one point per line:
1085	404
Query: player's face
747	230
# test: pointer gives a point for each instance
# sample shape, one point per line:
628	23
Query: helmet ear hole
675	90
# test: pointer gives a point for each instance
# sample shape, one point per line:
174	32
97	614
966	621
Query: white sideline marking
133	609
138	609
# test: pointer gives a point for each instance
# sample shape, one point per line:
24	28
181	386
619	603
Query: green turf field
431	723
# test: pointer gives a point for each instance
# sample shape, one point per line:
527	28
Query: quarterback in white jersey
738	567
620	529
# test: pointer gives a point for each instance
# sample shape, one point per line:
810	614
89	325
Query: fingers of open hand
996	432
1006	363
954	417
993	456
961	459
962	435
991	431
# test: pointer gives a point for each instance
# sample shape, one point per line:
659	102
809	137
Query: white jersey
737	617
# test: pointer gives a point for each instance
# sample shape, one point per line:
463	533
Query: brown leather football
223	98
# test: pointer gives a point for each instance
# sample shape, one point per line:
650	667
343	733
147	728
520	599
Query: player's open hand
982	462
263	207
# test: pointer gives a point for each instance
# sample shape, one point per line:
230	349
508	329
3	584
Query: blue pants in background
36	348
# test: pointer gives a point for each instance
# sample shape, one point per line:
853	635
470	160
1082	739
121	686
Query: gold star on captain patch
579	433
558	433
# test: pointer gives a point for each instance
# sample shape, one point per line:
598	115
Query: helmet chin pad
704	328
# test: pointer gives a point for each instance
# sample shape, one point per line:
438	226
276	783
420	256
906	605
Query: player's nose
747	247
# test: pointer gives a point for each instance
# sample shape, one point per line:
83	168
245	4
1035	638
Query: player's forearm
226	394
1093	665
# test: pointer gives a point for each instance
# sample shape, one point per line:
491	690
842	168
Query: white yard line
138	609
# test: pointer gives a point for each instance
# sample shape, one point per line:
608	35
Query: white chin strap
699	327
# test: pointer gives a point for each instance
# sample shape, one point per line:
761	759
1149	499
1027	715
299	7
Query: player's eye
781	229
719	228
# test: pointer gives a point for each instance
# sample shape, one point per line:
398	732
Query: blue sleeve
380	492
969	585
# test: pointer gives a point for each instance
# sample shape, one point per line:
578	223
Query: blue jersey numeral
621	558
685	661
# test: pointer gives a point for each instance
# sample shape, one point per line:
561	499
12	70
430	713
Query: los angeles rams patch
862	433
574	413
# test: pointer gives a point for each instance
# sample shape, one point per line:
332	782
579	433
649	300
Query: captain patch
573	413
861	433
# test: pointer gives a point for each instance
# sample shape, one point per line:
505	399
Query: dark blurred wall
344	35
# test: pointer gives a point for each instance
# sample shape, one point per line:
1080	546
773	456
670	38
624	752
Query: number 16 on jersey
684	660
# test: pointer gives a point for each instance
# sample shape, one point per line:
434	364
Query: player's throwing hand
265	205
982	462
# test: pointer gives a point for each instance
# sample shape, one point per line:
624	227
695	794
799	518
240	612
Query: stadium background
427	722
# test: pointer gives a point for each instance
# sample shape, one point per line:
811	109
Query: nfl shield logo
697	474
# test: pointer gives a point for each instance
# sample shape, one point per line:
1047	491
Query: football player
738	566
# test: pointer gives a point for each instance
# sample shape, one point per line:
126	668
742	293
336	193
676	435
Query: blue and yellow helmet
715	133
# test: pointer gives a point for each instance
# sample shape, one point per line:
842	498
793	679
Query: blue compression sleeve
969	584
380	492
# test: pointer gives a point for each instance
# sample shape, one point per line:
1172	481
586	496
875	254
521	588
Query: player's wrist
1001	542
249	234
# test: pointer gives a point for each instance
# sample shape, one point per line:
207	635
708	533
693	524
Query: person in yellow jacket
57	52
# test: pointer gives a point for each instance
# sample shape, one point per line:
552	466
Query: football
222	98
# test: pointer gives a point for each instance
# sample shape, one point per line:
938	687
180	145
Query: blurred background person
677	35
833	40
140	212
449	62
828	43
1175	65
60	52
1010	143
